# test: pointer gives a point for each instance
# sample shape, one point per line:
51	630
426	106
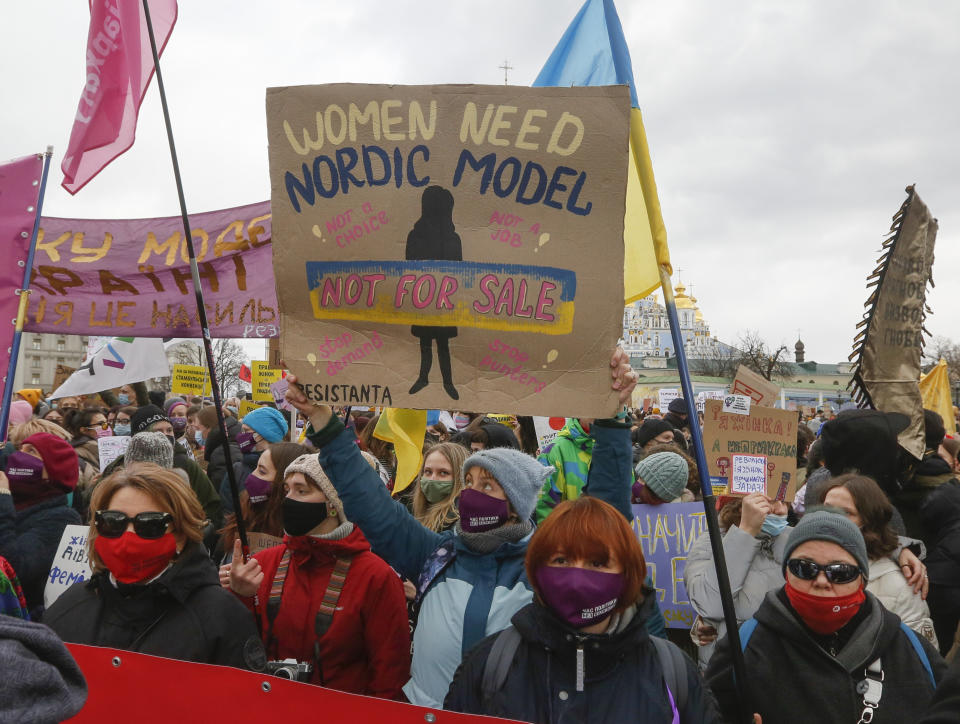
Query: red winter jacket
366	650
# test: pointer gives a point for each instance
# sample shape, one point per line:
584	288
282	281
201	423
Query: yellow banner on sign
189	380
246	407
262	376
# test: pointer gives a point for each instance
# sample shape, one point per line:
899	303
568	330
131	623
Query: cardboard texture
766	431
62	374
762	391
441	244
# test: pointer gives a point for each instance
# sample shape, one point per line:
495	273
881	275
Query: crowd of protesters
505	579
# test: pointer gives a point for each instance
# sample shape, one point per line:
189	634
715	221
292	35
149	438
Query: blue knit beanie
268	423
520	476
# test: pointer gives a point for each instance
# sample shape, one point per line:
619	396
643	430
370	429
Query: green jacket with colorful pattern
569	455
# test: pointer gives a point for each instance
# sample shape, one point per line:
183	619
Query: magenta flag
119	66
19	190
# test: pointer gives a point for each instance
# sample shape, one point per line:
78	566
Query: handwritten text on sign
749	474
666	534
70	563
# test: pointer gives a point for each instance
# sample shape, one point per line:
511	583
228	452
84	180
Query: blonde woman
438	488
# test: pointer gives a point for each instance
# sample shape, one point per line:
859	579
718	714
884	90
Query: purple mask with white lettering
480	512
257	488
23	469
245	442
579	596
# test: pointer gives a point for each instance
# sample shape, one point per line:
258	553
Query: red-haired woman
581	651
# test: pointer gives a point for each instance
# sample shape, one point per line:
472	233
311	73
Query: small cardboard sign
763	392
189	380
737	404
70	563
261	541
61	374
110	448
262	376
666	396
748	474
766	432
547	429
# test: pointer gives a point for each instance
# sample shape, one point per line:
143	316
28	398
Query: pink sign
19	190
131	277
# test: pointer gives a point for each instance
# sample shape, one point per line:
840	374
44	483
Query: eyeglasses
101	425
113	523
835	572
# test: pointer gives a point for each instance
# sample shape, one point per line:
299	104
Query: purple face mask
480	512
246	442
257	488
24	469
579	596
179	424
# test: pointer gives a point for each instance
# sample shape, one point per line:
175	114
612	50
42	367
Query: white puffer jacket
888	584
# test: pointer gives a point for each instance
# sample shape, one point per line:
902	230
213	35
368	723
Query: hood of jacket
871	636
215	438
573	430
941	509
325	550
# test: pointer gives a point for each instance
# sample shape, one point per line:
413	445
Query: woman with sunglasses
823	649
154	589
864	503
86	426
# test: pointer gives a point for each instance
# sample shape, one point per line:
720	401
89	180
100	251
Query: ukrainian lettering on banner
132	277
450	243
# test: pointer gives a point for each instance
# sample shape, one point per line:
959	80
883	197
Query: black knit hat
865	441
146	416
650	428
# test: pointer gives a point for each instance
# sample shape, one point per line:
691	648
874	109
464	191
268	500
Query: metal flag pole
709	504
24	303
198	292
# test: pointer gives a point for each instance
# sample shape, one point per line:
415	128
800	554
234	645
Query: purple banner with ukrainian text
132	276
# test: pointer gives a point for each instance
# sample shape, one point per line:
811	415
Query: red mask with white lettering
132	559
825	614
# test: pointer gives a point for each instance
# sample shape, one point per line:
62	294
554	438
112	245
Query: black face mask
173	442
300	518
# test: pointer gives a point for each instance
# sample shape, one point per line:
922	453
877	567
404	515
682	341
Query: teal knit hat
665	473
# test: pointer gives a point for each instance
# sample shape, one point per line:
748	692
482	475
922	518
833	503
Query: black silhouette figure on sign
434	237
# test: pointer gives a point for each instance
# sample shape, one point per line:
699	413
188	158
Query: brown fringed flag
890	341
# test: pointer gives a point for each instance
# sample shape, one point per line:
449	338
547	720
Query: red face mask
131	558
825	614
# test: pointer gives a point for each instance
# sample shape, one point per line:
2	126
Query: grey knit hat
309	466
665	473
833	527
520	476
149	447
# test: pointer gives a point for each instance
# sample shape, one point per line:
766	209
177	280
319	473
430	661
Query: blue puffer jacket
476	595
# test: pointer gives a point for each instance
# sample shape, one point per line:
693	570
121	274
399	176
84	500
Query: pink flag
19	190
119	68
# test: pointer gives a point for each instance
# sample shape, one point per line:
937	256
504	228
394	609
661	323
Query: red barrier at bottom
125	686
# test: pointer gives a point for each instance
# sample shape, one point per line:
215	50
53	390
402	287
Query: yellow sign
190	380
262	377
246	407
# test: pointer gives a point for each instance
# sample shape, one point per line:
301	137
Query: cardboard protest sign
766	432
666	396
261	541
62	374
439	243
263	376
70	564
547	429
666	534
110	448
762	391
190	380
132	276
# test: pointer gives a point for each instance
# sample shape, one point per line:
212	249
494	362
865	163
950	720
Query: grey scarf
490	540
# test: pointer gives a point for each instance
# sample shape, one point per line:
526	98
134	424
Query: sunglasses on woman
835	572
113	523
101	425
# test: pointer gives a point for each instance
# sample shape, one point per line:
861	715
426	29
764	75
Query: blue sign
666	533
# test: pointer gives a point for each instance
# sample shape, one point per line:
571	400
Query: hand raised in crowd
756	507
624	378
915	572
245	578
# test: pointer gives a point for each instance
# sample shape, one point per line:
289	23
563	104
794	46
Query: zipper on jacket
580	665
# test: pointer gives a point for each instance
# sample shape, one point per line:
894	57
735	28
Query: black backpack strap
674	669
498	661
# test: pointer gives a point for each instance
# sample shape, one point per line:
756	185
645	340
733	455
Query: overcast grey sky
782	133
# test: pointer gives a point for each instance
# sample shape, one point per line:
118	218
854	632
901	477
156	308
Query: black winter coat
184	614
945	707
792	679
623	678
940	518
29	540
242	467
216	458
